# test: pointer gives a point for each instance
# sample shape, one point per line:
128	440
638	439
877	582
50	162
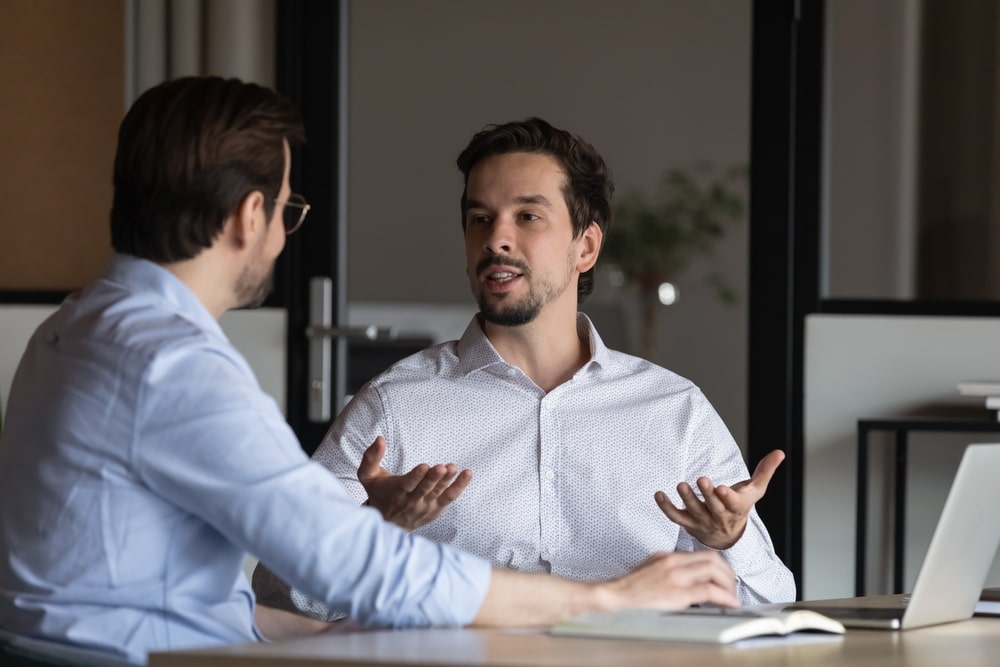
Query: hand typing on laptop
719	520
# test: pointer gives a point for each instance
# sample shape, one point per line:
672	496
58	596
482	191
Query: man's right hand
413	499
663	581
675	581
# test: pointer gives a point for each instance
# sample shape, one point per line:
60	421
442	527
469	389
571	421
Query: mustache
498	260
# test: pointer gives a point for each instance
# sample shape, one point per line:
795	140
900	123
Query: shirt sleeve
761	576
208	440
340	452
352	432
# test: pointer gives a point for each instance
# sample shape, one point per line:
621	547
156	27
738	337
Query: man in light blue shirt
140	460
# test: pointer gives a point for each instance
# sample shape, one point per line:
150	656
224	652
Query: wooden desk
973	643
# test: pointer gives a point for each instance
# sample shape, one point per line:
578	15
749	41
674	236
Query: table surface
971	643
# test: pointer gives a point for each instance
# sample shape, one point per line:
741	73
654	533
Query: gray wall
651	84
869	366
871	103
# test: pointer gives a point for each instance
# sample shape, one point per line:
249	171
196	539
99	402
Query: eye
478	219
529	217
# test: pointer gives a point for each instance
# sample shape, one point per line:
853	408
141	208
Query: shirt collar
475	352
143	277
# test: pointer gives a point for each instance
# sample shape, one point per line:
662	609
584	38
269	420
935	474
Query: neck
548	349
202	276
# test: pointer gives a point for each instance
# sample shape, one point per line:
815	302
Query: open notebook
958	559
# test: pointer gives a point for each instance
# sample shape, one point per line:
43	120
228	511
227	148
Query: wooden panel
62	97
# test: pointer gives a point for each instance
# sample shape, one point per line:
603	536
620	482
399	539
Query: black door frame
311	70
785	222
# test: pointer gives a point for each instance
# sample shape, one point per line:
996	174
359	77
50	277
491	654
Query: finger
427	488
764	471
411	480
442	483
456	488
712	593
693	504
706	567
674	513
371	460
701	576
678	559
736	501
714	502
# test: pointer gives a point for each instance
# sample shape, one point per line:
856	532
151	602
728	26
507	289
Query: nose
500	237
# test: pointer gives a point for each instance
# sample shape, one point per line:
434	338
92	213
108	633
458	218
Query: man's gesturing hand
413	499
719	521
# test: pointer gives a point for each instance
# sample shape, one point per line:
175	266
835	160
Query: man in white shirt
569	442
140	460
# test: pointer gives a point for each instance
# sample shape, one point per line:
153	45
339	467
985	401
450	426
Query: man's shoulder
628	366
132	325
436	362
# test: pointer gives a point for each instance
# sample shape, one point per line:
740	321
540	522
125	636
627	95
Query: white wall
651	84
860	366
258	334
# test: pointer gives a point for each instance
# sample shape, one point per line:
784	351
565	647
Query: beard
514	315
504	310
251	291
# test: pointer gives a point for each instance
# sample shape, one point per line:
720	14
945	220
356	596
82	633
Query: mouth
500	279
501	276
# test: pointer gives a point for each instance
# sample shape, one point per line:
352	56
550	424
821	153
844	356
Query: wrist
603	596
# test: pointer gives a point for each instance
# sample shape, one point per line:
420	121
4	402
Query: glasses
293	212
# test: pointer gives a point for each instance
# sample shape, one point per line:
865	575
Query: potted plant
652	240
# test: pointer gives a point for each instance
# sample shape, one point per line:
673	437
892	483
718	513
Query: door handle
369	332
321	333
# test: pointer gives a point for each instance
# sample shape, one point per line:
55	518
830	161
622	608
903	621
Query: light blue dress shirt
140	461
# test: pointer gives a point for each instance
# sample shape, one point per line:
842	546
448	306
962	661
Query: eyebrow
538	200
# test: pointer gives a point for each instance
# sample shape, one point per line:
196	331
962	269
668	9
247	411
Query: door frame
311	70
786	148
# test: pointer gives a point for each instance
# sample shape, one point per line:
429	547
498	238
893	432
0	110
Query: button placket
548	453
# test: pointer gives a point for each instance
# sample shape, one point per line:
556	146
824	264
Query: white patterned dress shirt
563	481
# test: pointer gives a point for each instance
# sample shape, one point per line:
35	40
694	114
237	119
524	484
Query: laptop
958	560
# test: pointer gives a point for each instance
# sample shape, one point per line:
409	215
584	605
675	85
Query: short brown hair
588	187
189	151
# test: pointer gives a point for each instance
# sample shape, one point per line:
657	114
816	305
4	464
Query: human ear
249	218
589	244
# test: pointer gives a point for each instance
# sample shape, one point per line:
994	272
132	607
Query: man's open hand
719	520
413	499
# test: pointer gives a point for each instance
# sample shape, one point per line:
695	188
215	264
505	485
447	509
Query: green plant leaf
652	239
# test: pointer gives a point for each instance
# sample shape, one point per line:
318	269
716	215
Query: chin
255	297
508	317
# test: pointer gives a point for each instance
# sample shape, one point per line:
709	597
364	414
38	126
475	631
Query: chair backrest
18	651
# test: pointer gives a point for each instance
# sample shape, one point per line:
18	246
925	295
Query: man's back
93	552
141	461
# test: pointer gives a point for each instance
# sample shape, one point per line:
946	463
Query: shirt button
549	474
546	554
512	372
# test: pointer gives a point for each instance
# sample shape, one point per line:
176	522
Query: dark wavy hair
588	188
189	151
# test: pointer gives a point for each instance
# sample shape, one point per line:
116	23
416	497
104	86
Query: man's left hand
719	520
